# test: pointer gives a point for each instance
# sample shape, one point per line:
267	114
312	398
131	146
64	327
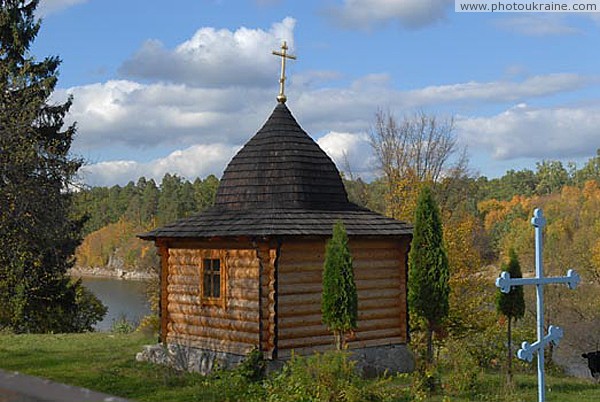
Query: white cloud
495	91
538	25
47	7
131	116
195	161
350	152
140	116
215	58
408	13
523	131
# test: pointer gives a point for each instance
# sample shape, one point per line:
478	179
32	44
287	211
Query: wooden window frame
208	300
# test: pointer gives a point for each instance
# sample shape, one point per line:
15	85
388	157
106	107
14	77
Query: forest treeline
483	219
114	215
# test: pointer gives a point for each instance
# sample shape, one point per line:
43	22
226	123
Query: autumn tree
37	236
339	301
417	150
511	304
428	272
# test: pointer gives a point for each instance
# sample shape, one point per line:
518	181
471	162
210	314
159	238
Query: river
124	298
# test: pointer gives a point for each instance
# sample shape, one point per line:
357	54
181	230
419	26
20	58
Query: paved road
16	387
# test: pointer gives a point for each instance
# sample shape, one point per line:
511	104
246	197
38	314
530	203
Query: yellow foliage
115	240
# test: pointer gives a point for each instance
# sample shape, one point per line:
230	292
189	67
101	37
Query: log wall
380	276
232	326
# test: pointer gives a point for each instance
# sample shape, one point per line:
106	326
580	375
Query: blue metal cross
505	282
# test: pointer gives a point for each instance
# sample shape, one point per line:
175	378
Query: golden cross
283	54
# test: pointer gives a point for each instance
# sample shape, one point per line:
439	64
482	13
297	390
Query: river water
124	298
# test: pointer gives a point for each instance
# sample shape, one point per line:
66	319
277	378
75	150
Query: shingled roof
280	183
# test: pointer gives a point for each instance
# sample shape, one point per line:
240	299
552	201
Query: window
212	277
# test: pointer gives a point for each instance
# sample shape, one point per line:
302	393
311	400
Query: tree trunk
429	345
509	361
337	335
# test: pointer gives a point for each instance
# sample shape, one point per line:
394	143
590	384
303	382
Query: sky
179	86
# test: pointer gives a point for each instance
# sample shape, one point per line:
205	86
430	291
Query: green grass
106	363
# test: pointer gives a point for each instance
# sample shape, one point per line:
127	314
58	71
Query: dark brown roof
280	222
281	183
281	167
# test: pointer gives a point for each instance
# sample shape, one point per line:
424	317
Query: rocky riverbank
119	273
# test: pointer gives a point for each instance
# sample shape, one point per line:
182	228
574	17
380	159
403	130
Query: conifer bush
428	272
340	300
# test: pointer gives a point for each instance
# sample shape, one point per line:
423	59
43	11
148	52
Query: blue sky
180	86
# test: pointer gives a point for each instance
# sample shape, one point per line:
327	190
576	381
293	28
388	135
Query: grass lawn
106	363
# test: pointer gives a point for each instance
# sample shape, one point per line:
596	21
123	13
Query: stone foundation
186	358
370	362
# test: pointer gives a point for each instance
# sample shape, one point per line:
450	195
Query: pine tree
511	304
339	301
37	236
428	273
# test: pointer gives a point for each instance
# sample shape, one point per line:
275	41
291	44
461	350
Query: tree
415	151
428	272
552	176
511	304
37	235
169	200
340	301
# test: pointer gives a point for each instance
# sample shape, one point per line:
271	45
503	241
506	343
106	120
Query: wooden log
184	280
361	284
316	318
243	305
209	311
299	288
178	298
243	273
311	341
245	284
300	265
364	326
377	284
389	272
194	244
376	255
286	301
304	351
384	302
383	333
357	244
293	278
367	343
293	310
238	348
214	333
301	245
192	290
301	321
240	262
243	294
184	270
294	343
214	322
378	293
385	269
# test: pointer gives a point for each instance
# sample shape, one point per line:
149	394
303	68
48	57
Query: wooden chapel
246	273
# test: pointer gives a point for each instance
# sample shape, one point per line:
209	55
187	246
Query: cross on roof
281	98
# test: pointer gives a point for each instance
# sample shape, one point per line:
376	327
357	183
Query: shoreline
97	272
